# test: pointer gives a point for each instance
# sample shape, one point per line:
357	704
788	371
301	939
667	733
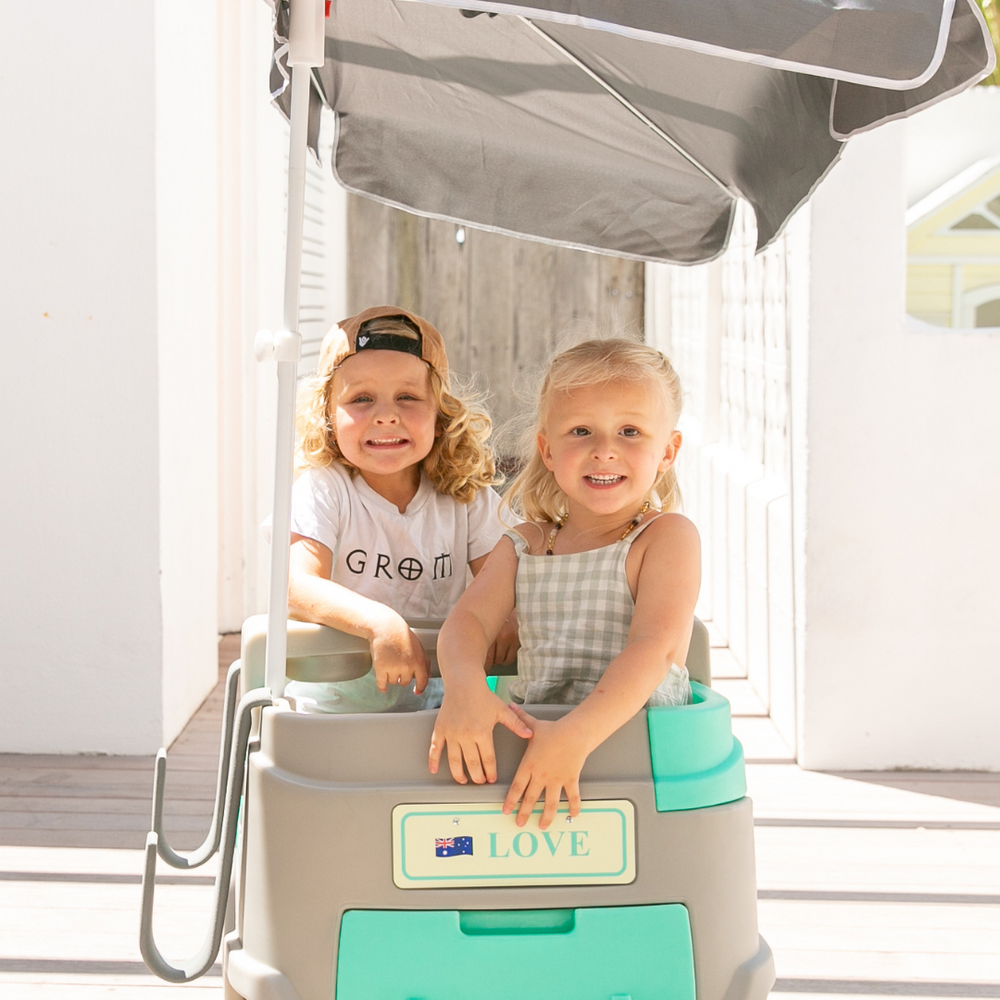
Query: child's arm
666	592
397	656
504	647
470	709
506	644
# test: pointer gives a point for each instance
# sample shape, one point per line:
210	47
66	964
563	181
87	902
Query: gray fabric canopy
625	126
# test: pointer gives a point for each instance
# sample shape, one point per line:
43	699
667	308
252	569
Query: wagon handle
210	844
200	963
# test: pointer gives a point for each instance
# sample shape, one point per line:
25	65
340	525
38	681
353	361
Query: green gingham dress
573	615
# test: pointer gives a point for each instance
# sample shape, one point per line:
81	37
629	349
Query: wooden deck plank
95	804
97	821
725	665
762	743
743	699
85	762
88	782
95	862
969	786
100	987
786	791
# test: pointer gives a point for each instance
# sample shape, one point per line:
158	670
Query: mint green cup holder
697	762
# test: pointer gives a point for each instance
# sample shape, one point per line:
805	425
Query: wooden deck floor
870	884
71	836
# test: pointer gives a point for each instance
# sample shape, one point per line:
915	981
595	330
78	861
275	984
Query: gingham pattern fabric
573	616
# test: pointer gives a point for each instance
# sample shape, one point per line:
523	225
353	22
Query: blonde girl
603	571
394	501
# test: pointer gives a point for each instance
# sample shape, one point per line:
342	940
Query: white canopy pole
305	49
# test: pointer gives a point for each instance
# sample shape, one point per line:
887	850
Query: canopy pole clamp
285	345
306	35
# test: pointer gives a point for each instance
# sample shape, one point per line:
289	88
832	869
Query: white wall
254	193
107	389
142	173
901	575
869	623
80	619
187	114
726	327
945	139
323	301
270	198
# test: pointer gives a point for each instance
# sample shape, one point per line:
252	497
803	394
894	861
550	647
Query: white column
107	390
80	616
187	117
902	540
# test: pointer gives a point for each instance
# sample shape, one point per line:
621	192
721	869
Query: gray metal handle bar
210	844
203	960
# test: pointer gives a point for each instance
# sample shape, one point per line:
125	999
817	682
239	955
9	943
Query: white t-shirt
414	562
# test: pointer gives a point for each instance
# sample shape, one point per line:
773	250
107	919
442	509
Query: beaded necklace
629	528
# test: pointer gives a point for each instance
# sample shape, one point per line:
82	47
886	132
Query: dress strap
521	544
640	528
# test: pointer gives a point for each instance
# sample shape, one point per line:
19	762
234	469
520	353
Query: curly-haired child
395	500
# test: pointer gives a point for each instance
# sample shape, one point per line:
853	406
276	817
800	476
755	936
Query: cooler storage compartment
593	953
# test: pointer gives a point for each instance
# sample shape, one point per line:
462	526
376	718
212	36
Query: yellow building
953	251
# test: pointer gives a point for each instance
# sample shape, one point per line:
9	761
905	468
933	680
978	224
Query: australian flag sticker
448	847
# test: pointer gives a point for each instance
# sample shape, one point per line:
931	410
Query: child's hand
552	762
505	645
398	657
465	724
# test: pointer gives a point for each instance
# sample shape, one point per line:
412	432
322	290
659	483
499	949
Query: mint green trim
520	876
516	921
637	951
696	760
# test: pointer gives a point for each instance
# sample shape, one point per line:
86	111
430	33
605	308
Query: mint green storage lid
592	953
695	758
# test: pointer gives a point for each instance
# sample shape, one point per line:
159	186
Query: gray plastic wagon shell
317	842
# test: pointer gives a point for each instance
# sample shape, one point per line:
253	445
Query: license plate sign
438	845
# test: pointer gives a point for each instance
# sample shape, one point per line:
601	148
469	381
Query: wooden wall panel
368	241
502	304
444	294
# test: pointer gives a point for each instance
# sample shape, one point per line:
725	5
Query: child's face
384	414
606	445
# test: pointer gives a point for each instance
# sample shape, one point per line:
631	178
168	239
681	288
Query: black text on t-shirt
408	568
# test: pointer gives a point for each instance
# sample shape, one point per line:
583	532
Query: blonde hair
534	495
458	465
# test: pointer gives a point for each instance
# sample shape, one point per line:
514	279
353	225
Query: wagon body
339	894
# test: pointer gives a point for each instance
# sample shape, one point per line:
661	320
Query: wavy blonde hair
459	464
534	495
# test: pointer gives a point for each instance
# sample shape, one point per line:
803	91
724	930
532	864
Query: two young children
397	500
